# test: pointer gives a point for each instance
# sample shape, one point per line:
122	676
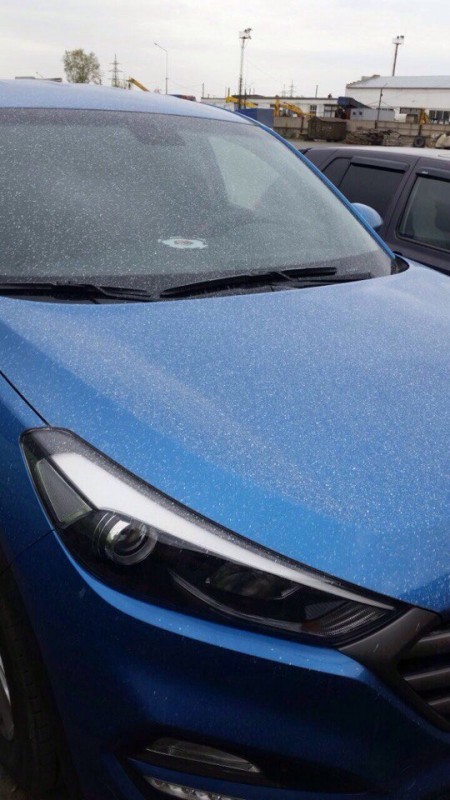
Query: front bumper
124	673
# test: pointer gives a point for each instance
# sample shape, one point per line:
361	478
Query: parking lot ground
9	790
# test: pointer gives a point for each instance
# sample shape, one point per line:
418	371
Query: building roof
350	102
402	82
48	94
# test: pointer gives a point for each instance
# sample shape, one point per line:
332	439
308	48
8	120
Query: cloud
326	42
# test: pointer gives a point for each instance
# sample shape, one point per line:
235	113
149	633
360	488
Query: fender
24	522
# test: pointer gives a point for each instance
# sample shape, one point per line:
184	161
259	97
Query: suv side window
427	215
374	186
336	170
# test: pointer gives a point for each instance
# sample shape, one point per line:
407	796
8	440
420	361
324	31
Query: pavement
9	790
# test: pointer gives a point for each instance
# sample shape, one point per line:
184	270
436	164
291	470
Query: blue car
224	433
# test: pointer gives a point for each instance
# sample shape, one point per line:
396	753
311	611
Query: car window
336	170
374	186
427	214
110	196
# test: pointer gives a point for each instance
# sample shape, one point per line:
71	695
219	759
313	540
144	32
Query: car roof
395	152
23	93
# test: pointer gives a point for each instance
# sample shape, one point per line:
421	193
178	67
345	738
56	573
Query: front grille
426	668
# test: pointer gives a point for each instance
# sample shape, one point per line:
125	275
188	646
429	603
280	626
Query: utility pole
396	42
291	89
115	80
244	35
379	108
167	65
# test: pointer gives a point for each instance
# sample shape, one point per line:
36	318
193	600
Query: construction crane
134	82
244	103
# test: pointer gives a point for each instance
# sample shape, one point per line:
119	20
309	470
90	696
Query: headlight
132	536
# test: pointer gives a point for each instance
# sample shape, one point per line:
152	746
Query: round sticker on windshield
184	244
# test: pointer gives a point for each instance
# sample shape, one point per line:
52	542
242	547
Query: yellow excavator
279	104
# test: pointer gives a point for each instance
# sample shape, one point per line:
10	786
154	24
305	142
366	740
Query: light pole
167	65
244	35
396	42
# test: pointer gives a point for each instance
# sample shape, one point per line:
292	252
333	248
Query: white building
372	114
407	95
320	106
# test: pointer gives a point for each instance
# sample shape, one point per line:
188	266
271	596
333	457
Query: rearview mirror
369	215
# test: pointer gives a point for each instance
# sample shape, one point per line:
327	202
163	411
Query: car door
420	229
375	180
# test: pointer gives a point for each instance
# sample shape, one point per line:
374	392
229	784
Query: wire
255	66
182	86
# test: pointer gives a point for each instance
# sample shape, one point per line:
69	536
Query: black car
408	187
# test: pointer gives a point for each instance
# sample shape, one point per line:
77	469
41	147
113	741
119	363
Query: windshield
152	200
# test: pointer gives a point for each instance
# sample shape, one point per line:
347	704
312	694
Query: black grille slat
436	643
427	680
426	669
441	705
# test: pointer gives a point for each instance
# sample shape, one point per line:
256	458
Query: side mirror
369	214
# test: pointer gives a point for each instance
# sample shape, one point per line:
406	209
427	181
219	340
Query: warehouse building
408	96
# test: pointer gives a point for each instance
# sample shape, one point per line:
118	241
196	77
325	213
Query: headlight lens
132	536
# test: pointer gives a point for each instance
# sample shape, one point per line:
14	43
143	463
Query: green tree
81	67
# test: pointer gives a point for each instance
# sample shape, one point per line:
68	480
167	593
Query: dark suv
409	188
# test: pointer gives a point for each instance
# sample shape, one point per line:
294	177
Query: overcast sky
324	42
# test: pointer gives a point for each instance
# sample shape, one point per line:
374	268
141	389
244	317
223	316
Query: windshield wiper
246	281
294	277
75	291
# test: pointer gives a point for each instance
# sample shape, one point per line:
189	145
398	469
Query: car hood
314	421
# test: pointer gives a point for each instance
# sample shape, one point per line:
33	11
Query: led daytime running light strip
106	490
186	792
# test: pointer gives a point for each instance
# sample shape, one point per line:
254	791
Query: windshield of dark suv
138	199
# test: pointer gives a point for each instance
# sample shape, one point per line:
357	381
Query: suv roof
49	94
417	152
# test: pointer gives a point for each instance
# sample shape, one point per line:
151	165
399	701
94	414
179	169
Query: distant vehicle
191	97
409	188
